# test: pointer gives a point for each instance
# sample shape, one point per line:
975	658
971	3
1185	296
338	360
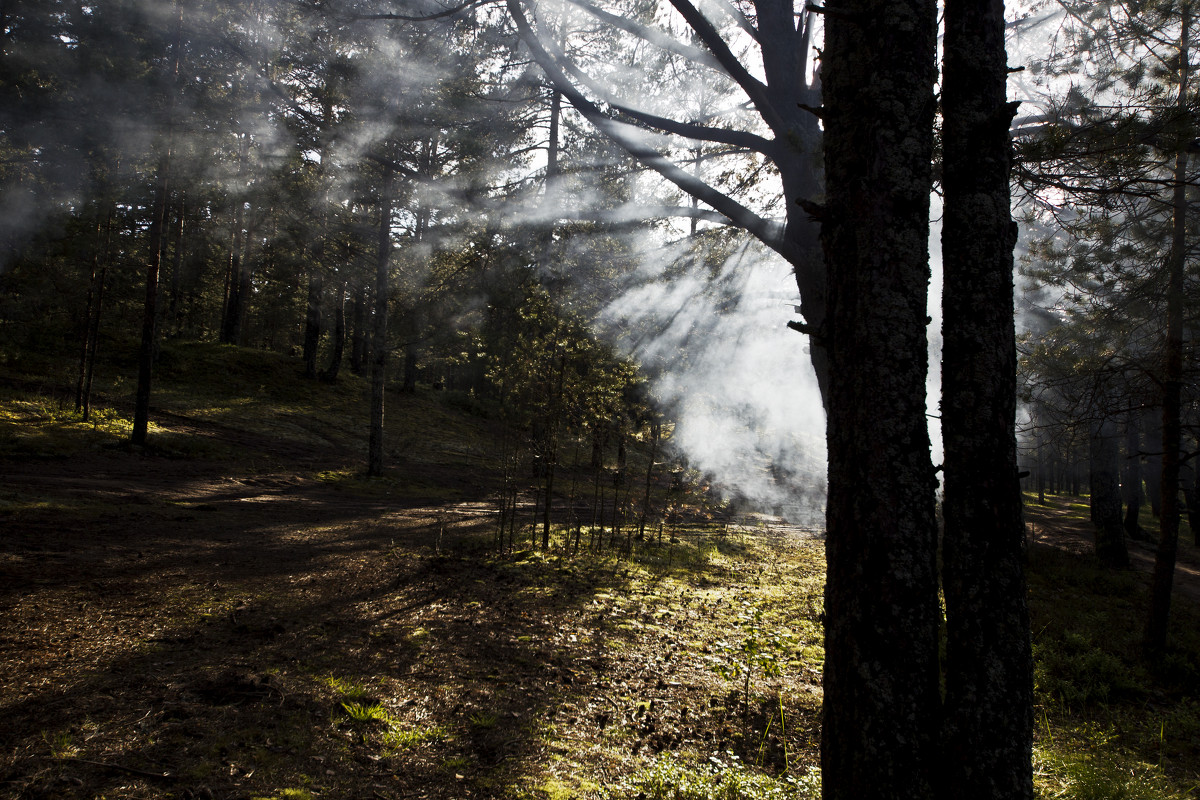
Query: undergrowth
721	777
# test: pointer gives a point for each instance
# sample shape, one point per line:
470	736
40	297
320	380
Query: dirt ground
206	629
196	629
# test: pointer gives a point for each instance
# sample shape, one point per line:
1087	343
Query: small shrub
1076	673
483	720
397	738
349	690
364	714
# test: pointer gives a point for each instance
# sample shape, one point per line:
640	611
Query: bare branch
711	37
690	130
738	17
653	36
767	231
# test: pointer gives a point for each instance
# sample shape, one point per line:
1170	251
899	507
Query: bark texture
987	733
881	607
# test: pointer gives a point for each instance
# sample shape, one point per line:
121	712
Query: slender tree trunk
358	339
379	343
92	309
881	699
1172	384
551	458
177	264
231	324
94	320
1152	474
987	728
339	336
1191	494
655	431
312	320
141	407
1041	471
146	353
409	384
1131	476
1106	496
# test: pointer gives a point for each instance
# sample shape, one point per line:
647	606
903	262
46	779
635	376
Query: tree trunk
987	729
410	368
177	265
236	284
91	332
655	433
379	343
1191	494
358	339
339	336
1172	384
1106	496
312	321
882	615
141	405
1152	474
146	353
1131	477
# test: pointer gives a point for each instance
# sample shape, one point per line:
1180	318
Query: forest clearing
601	399
236	611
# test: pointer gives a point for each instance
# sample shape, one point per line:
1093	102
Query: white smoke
735	379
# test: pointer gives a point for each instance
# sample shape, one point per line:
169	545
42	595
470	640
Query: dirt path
1058	525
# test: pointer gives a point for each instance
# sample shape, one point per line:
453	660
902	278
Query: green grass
1112	725
1086	763
720	777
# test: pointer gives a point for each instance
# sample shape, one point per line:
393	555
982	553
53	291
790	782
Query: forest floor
272	624
236	613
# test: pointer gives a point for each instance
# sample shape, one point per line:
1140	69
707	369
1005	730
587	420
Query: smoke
735	379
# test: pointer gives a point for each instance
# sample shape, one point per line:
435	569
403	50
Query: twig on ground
162	776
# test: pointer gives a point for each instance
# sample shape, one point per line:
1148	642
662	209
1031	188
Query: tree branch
767	231
689	130
738	17
654	37
753	87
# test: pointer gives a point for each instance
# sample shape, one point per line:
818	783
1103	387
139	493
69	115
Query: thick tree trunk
881	703
1106	496
987	730
379	343
1172	384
